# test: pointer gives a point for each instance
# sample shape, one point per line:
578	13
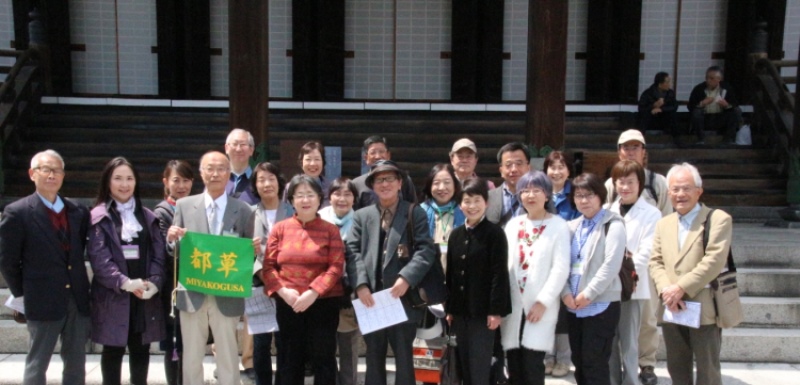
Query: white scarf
130	226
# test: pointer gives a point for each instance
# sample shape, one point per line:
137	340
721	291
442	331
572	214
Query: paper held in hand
687	317
386	311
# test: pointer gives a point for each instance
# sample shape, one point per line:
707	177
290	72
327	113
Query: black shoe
249	373
647	376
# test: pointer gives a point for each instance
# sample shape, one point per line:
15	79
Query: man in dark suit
211	212
379	256
376	149
514	162
239	147
683	269
42	242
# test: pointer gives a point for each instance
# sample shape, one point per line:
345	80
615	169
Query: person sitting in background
657	107
713	106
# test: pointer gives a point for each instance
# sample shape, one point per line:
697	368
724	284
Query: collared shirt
580	254
685	224
509	201
222	202
236	178
470	228
387	214
56	207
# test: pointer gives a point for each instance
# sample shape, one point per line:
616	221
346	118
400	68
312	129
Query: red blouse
303	257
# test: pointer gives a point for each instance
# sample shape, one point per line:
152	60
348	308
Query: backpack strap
650	186
706	235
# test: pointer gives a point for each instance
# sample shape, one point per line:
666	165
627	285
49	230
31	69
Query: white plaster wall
138	65
576	42
280	40
791	37
515	42
659	28
219	39
702	32
6	31
369	33
93	23
423	33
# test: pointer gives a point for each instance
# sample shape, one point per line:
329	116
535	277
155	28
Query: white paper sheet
687	317
15	304
386	312
260	311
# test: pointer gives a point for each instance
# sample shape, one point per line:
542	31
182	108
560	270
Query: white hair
698	182
250	139
50	153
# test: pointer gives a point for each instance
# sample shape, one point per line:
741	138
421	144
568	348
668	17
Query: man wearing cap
380	256
514	162
375	149
464	158
631	146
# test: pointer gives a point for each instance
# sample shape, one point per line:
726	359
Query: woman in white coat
538	262
640	219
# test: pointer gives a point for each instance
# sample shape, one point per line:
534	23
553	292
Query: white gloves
150	292
134	285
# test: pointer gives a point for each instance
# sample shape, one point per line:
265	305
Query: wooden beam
248	59
547	72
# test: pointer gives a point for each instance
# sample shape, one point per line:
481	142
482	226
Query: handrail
775	105
8	84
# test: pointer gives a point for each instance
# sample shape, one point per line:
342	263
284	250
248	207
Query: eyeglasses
681	189
239	144
531	191
386	179
305	196
213	170
580	197
48	171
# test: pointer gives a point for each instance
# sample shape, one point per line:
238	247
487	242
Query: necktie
213	221
385	224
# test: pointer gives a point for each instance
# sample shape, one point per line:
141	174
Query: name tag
576	268
130	251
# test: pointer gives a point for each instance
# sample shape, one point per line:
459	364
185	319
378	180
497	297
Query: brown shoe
560	370
548	367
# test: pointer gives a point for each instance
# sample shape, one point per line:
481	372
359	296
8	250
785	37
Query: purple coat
111	307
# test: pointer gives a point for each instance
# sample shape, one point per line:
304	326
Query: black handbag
450	373
431	290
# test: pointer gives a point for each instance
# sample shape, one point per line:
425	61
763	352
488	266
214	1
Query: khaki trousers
648	330
684	343
194	327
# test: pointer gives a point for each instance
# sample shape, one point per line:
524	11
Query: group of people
712	106
532	266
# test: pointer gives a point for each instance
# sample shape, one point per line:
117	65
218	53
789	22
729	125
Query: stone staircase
744	181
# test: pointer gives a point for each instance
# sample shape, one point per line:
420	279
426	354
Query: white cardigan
640	225
547	274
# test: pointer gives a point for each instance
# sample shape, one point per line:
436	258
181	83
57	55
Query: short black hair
427	192
375	139
716	69
300	179
272	169
589	182
474	186
660	77
342	183
511	147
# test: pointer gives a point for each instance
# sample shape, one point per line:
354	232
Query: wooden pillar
740	25
476	65
318	50
184	49
248	38
612	51
547	72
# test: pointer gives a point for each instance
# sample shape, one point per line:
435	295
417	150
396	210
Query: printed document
386	311
260	311
687	317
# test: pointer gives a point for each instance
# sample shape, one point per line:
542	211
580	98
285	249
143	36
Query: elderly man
631	146
212	213
713	105
42	242
239	148
683	270
380	256
514	162
464	158
375	149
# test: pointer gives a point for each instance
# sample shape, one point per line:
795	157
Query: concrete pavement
12	366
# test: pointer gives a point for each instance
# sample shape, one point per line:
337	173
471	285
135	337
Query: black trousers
728	122
473	352
138	361
664	121
317	326
262	357
401	337
590	339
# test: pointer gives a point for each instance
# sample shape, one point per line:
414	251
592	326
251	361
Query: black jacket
650	95
699	93
477	271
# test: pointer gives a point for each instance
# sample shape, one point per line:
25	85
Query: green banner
216	265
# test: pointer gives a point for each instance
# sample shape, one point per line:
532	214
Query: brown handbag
724	289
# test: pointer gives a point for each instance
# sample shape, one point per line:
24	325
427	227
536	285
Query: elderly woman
442	189
477	283
559	169
177	178
126	251
268	184
303	268
398	267
538	263
640	219
592	293
341	194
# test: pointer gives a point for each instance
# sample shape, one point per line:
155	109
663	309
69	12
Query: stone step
769	312
769	282
759	246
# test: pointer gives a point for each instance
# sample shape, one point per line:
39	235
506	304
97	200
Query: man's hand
400	287
175	232
658	103
289	296
305	301
581	301
672	295
655	111
723	103
493	322
257	245
365	295
536	312
706	101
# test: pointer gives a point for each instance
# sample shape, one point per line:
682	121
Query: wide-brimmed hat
382	166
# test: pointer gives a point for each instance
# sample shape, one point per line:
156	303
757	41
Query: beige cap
629	135
463	143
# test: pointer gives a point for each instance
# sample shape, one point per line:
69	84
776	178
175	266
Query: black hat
382	166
